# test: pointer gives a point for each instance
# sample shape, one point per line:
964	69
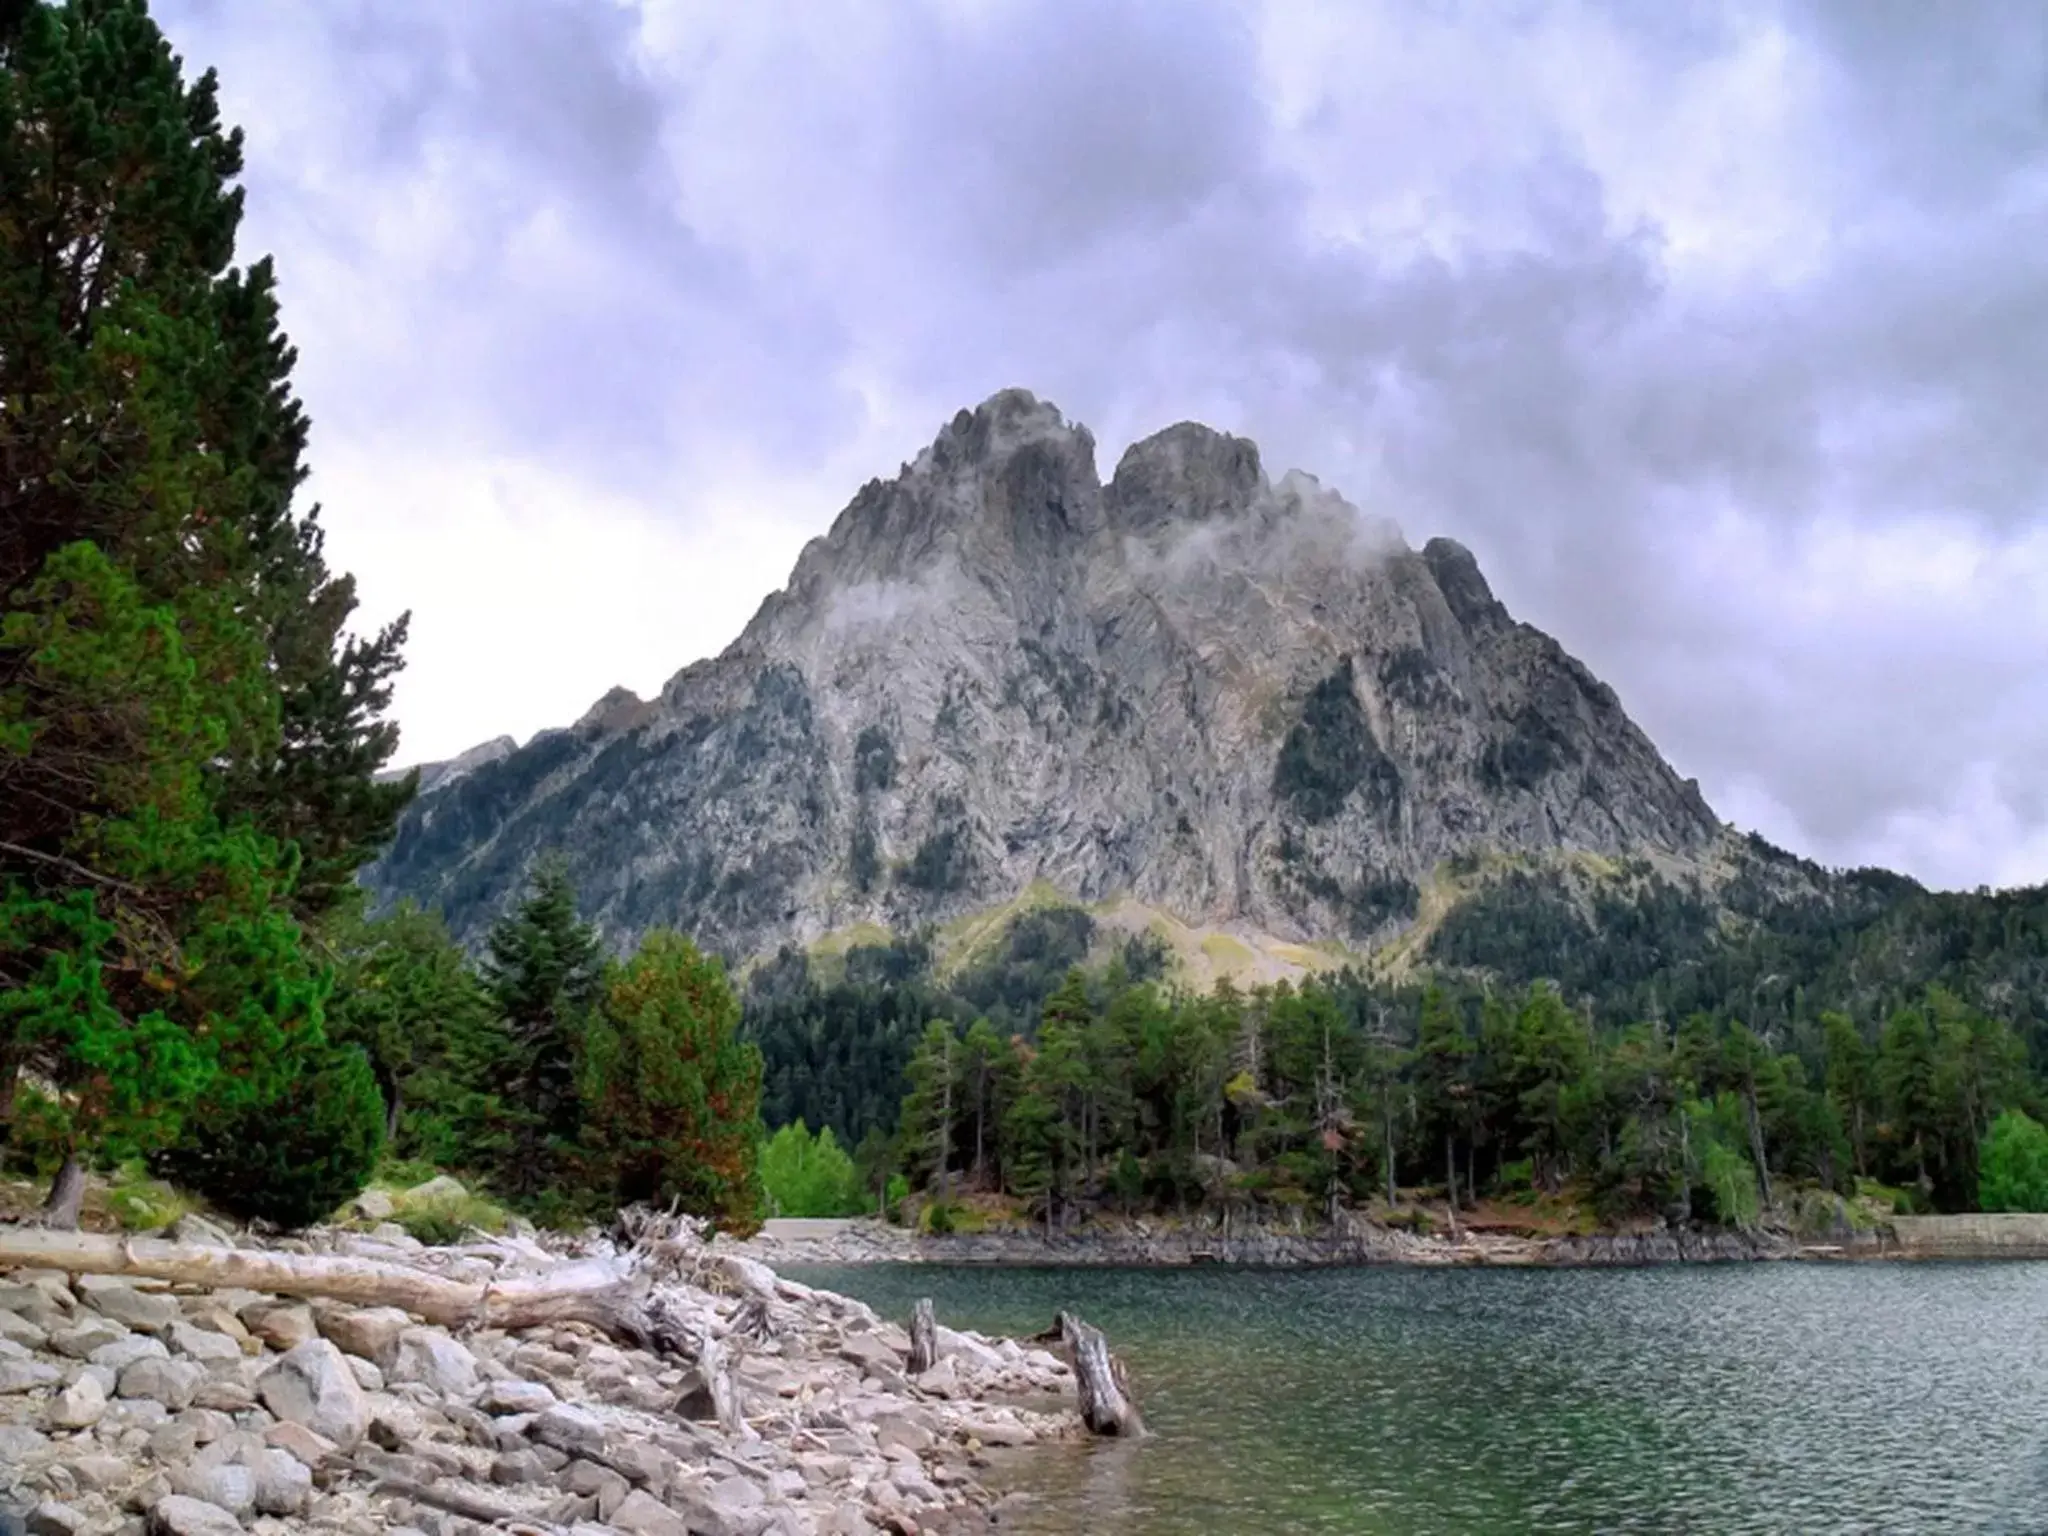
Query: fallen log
924	1337
1107	1407
612	1295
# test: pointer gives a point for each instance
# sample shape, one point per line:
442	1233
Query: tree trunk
391	1115
924	1337
1451	1183
67	1196
1756	1143
1106	1405
1387	1136
608	1294
11	1059
713	1395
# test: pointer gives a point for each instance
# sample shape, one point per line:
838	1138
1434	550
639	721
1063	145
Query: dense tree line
1330	1093
565	1082
837	1036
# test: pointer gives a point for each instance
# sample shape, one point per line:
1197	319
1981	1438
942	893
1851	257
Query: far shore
1137	1243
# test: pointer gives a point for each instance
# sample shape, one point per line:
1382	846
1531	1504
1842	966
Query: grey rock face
313	1386
1237	701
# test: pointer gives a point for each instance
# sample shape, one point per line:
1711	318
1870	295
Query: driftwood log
614	1295
1107	1407
924	1337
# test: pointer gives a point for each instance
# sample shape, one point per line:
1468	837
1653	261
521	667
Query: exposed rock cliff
1238	701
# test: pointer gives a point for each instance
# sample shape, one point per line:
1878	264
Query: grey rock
373	1205
575	1430
123	1352
640	1514
79	1406
312	1385
997	669
26	1376
284	1484
180	1515
371	1333
96	1473
203	1344
587	1479
300	1443
170	1382
20	1445
145	1311
431	1358
519	1467
82	1338
231	1487
17	1328
507	1397
283	1328
223	1396
199	1232
174	1442
50	1518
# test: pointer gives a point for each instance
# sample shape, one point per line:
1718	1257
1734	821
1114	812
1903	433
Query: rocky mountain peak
1246	704
1187	473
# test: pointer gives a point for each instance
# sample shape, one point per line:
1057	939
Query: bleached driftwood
1107	1407
924	1337
614	1294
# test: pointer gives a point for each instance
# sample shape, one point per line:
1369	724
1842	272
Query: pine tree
148	410
407	995
187	741
545	969
1443	1062
671	1095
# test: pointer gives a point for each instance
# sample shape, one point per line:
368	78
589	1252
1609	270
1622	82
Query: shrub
2013	1167
806	1175
441	1219
292	1157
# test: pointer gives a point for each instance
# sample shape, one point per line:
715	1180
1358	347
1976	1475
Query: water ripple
1763	1398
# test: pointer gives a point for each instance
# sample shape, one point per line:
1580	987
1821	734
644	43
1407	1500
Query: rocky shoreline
131	1408
1138	1244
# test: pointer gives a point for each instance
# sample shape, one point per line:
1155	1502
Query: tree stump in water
924	1337
1106	1404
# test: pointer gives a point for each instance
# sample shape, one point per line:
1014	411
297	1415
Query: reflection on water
1795	1398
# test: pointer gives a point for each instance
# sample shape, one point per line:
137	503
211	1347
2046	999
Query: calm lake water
1796	1398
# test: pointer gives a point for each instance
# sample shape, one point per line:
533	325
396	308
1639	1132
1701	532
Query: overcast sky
1720	333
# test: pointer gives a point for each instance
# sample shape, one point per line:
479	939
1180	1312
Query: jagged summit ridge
1237	700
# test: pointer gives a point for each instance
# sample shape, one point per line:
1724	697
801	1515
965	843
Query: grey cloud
1100	201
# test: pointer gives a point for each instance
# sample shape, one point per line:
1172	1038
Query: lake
1772	1397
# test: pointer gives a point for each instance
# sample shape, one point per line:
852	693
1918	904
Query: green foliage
874	761
2013	1169
1331	752
545	970
291	1156
1533	749
670	1091
188	738
807	1175
943	863
139	1203
409	997
447	1216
